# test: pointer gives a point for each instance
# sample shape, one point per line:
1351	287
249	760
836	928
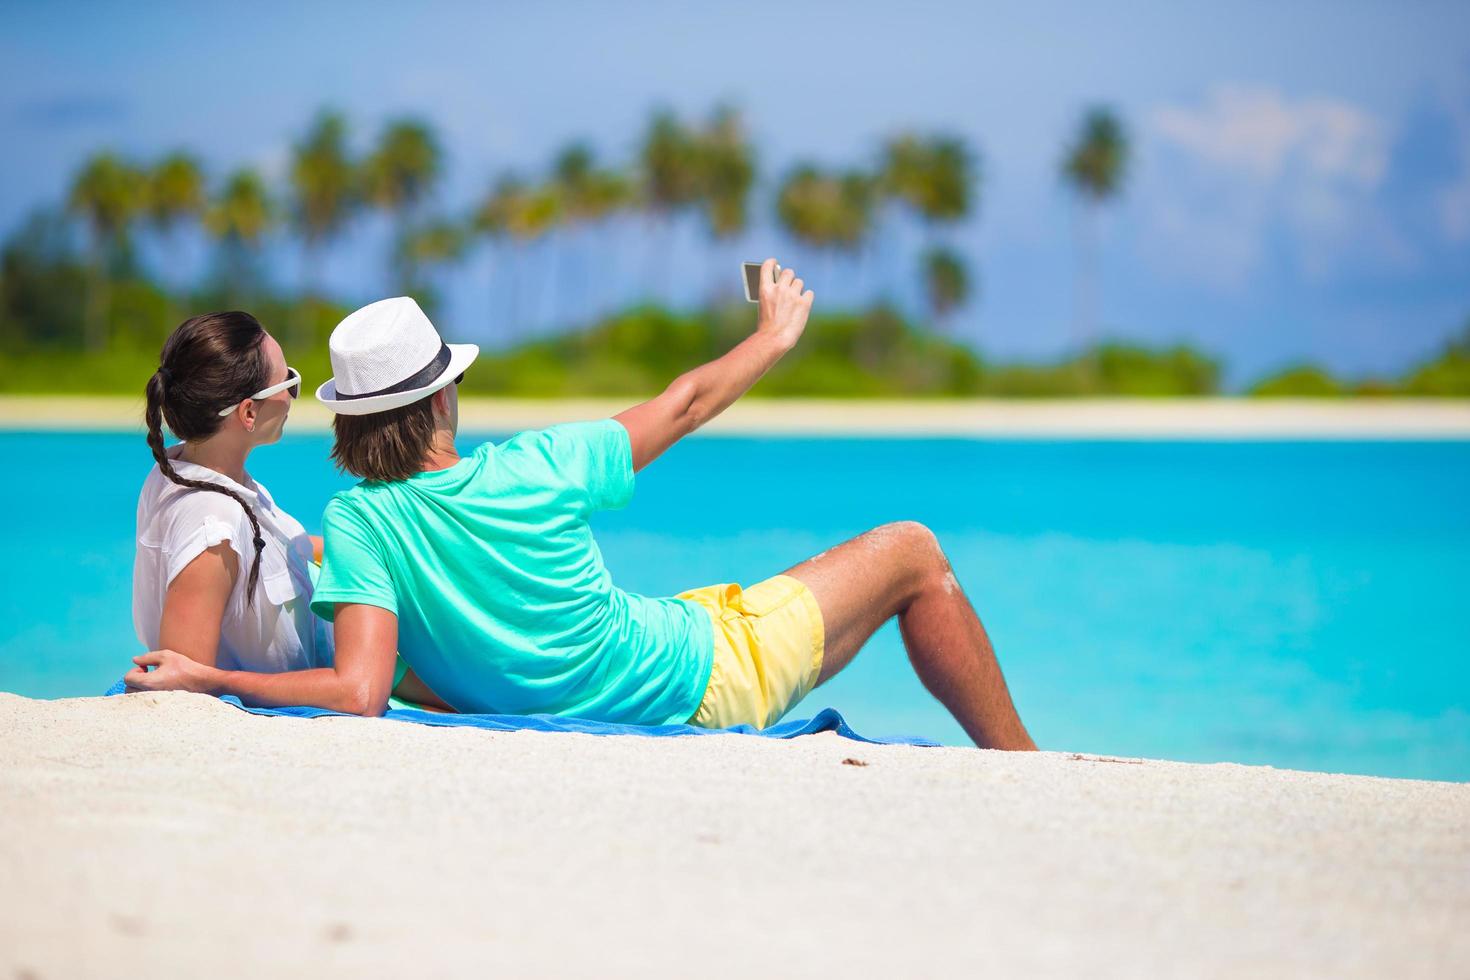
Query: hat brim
461	356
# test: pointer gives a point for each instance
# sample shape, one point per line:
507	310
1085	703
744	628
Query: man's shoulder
346	496
527	447
564	437
519	442
354	501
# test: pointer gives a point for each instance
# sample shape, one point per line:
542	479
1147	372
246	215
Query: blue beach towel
826	720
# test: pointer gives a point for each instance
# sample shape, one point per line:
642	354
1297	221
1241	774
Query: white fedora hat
387	355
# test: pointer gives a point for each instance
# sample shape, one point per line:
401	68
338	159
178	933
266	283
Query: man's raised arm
695	397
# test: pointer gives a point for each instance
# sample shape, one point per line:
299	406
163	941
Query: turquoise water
1299	605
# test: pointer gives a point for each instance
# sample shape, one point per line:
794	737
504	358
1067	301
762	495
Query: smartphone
751	274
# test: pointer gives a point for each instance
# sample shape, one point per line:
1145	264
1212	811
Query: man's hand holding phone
783	306
700	394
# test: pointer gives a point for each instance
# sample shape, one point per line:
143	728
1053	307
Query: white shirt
277	631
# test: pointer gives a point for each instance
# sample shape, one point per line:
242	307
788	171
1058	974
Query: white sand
1221	418
173	835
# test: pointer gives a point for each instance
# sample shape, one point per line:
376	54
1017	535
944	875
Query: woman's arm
413	690
194	605
358	683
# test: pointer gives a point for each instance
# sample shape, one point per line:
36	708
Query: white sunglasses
293	380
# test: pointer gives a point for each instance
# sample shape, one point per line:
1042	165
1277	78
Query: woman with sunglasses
221	574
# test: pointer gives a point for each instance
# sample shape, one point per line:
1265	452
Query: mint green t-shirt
503	602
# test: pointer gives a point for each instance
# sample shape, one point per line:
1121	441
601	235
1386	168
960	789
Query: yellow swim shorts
768	650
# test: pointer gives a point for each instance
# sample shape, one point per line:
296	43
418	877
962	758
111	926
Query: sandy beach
172	834
1202	418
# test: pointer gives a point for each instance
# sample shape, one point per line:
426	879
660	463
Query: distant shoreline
1201	418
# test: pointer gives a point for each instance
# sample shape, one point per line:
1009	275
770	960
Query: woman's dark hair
208	362
387	445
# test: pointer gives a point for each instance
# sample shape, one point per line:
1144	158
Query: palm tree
1094	166
423	249
492	219
400	174
518	213
108	193
727	172
832	212
326	191
669	179
712	167
532	224
933	177
589	196
176	194
589	193
239	218
826	210
946	281
669	159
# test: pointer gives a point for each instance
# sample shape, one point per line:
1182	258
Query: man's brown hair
387	445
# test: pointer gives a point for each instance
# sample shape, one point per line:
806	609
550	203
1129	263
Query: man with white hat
482	572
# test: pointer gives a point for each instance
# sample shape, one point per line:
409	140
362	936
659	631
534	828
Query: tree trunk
401	255
513	294
95	319
301	331
1082	285
1089	293
491	318
599	273
656	244
236	273
829	272
551	280
176	294
926	249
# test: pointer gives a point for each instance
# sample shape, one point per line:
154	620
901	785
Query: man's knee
919	546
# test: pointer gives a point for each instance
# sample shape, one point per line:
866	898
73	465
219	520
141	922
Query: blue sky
1300	186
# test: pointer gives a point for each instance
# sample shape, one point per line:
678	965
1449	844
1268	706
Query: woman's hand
171	672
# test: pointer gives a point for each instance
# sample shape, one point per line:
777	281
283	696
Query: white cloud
1249	163
1257	132
274	164
1454	199
1454	210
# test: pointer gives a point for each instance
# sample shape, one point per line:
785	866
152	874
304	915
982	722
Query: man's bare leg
900	570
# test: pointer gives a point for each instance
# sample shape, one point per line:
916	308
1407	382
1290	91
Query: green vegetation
705	167
873	353
1446	375
80	312
869	353
1094	167
946	281
1302	381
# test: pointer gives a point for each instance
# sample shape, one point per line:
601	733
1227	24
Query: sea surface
1301	604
